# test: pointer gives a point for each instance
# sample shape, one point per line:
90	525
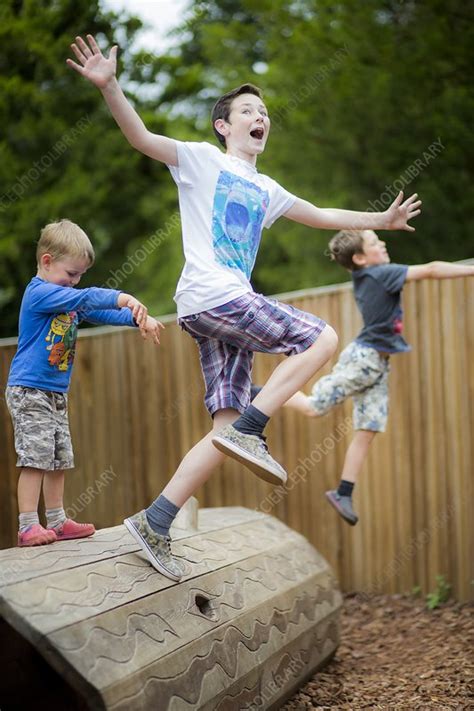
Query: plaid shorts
228	335
361	373
41	427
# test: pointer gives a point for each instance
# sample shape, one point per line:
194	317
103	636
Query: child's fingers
83	47
80	56
398	199
75	66
140	313
93	44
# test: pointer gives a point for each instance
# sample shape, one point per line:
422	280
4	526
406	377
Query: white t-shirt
224	204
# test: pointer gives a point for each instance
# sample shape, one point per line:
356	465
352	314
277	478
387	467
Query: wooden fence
136	409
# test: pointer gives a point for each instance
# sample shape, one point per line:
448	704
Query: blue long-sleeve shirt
49	316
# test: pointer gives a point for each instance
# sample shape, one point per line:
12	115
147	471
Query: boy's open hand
151	329
400	212
139	311
93	65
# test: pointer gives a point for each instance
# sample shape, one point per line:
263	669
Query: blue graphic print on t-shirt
239	209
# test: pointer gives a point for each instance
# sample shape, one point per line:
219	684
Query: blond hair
344	245
64	239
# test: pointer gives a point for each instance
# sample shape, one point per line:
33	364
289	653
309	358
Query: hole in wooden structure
204	605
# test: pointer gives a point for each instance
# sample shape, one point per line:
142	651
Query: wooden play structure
89	624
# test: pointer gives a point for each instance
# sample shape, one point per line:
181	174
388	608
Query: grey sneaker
343	506
252	452
156	547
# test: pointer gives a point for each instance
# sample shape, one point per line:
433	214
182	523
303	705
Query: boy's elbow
434	269
139	140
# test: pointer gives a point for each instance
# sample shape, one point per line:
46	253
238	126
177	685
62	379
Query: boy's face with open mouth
248	127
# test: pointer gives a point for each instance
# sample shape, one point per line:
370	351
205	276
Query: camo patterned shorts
41	427
361	373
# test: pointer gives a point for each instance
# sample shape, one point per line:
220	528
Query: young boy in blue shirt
41	369
225	203
361	371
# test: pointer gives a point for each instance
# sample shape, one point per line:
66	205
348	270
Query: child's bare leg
53	489
29	489
294	372
356	455
300	402
150	528
53	494
341	498
199	463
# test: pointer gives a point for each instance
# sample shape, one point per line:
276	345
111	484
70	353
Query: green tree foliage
61	154
359	93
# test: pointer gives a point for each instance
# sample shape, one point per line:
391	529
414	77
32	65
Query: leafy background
357	92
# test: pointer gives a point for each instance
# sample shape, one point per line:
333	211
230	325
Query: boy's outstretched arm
394	218
101	71
439	270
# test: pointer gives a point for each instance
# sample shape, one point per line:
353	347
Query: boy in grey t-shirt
363	366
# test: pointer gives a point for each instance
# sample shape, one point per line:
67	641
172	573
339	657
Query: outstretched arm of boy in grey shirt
439	270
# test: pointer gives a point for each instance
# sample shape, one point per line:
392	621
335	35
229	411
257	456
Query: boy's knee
331	340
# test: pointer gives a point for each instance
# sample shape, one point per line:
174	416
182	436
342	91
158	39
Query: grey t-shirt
377	291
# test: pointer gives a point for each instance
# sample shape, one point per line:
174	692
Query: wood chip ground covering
396	654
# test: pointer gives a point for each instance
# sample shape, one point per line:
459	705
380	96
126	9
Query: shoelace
263	440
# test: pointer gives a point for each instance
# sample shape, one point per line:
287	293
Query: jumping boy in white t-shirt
224	204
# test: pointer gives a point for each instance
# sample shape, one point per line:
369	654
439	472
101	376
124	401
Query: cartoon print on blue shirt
239	209
62	349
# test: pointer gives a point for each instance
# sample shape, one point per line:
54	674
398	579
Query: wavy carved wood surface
255	614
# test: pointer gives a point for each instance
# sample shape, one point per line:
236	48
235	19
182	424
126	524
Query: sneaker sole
73	537
350	521
248	460
148	552
37	542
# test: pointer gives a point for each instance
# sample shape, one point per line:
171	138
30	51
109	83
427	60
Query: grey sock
54	517
251	422
161	514
27	519
254	390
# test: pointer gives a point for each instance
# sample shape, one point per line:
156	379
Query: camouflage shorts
361	373
41	427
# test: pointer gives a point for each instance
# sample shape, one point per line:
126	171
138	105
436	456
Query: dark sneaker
156	547
343	506
251	451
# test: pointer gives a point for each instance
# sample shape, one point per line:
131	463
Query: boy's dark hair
344	245
221	108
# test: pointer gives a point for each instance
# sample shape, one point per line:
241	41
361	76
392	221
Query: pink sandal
36	535
71	529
